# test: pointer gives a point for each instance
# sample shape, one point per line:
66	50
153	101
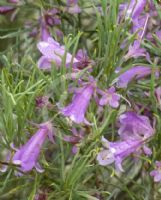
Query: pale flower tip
42	44
17	162
39	168
3	169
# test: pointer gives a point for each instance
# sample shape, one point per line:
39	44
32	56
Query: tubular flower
135	126
77	109
44	32
52	52
157	172
27	155
135	8
135	72
134	132
117	152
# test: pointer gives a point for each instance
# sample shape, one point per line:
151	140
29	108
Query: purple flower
13	1
72	7
109	97
135	8
136	126
71	2
43	101
6	9
117	151
157	172
135	51
140	24
26	157
77	109
158	94
135	72
52	52
158	34
51	17
44	32
75	139
134	132
59	33
83	59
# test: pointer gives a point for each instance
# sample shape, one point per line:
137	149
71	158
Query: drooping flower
77	109
135	72
136	126
75	139
109	97
156	173
116	152
53	52
135	130
27	155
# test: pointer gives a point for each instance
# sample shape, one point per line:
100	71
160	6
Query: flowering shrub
80	100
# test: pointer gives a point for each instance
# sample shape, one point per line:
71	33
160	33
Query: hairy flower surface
26	157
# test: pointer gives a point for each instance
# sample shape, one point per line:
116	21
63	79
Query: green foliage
66	176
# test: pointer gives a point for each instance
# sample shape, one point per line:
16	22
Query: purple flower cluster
135	130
